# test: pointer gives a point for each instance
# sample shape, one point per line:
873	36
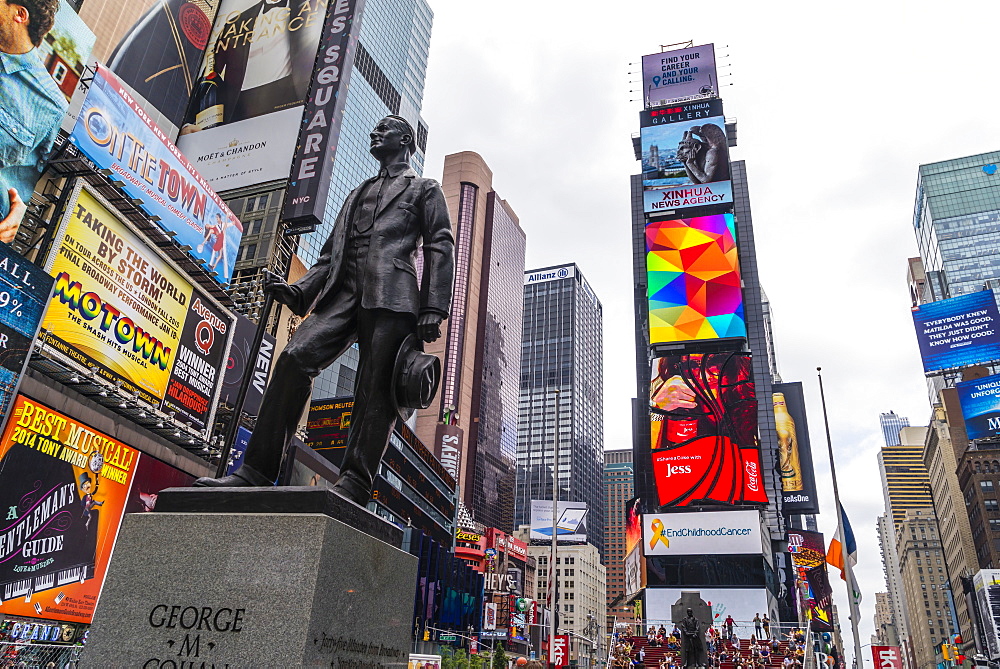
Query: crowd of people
726	650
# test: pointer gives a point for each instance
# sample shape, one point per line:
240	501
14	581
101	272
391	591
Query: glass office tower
561	350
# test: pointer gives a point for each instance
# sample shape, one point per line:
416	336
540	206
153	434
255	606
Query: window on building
991	505
986	486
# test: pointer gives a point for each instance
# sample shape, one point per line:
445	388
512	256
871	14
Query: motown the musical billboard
63	486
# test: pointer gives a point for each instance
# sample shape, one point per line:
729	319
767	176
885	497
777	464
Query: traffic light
427	635
946	651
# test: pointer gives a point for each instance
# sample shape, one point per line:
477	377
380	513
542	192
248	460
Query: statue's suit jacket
412	209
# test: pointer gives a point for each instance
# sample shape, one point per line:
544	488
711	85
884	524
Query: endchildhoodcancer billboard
980	400
115	132
717	532
703	429
685	157
65	486
693	279
958	332
682	73
121	308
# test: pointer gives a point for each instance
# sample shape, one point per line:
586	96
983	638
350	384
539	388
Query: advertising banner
24	294
798	480
958	332
32	106
740	603
312	163
560	650
159	55
679	74
980	400
327	427
152	476
887	657
120	308
717	532
986	583
635	572
243	361
693	279
703	428
117	134
449	440
196	373
65	487
116	305
571	523
808	552
685	157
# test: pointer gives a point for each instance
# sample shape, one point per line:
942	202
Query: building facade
905	479
619	488
580	599
473	420
891	424
561	395
921	563
890	566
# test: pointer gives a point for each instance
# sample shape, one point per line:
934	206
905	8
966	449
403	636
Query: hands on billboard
189	128
429	326
672	394
10	224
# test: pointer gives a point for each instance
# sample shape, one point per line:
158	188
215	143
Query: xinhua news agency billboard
980	400
958	332
678	74
693	279
685	157
795	463
571	521
703	430
716	532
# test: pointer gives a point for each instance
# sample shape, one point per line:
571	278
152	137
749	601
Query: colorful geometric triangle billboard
693	274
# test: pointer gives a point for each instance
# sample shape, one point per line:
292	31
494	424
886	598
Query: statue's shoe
350	489
244	477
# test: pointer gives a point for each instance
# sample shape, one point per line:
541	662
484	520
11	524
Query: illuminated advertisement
693	279
887	657
740	603
980	400
718	533
158	56
242	361
795	465
24	292
327	427
986	583
703	428
119	308
685	157
958	332
117	134
678	74
808	552
570	521
33	101
65	486
247	108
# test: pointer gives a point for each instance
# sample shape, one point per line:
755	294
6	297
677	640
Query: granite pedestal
265	577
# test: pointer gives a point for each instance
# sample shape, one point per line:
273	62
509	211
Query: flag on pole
835	556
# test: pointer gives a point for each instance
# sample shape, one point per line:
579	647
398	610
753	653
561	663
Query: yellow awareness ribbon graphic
658	534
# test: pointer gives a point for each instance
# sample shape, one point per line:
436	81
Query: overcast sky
837	103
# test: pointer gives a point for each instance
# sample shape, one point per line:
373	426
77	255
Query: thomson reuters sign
719	532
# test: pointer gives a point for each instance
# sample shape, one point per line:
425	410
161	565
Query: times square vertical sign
319	134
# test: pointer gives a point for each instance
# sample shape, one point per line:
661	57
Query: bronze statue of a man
362	289
693	651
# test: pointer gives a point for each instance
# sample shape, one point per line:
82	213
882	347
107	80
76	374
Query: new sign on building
717	532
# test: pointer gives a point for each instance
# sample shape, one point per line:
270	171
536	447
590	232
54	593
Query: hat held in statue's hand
416	376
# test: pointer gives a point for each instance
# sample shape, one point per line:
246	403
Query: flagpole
848	572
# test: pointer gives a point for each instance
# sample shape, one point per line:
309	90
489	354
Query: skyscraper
905	479
618	489
472	423
892	423
561	389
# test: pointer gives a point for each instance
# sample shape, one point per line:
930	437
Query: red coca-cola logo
194	24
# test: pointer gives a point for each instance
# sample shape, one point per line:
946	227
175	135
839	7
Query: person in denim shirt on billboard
31	106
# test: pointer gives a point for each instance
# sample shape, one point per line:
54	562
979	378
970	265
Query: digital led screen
570	521
740	603
808	551
980	400
958	332
693	279
795	464
716	533
681	73
703	428
685	157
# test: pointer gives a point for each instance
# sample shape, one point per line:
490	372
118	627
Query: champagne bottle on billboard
788	446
